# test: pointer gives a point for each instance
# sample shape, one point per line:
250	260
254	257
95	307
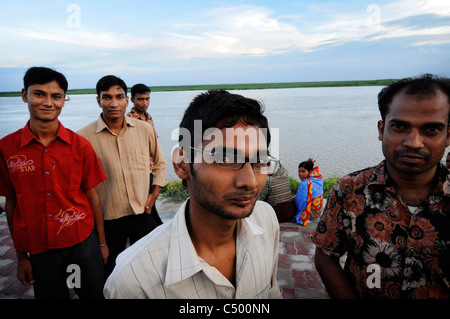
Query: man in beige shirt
124	147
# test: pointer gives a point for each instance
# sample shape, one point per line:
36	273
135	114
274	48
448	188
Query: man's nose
114	102
246	177
413	140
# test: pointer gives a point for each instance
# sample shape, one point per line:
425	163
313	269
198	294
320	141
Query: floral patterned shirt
409	252
135	115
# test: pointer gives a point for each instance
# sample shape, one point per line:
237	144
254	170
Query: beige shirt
125	159
165	265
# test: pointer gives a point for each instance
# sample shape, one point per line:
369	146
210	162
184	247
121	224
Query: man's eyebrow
110	95
435	124
430	124
44	92
398	121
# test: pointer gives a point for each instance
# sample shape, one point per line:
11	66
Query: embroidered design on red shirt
20	163
68	217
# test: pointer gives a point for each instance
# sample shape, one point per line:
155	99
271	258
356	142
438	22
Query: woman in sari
309	198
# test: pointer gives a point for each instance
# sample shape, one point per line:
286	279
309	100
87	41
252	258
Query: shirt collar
183	261
133	111
28	136
101	124
380	177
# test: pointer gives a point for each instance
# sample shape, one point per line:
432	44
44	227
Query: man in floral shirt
393	220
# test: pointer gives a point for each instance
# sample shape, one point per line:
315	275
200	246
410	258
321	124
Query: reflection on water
335	126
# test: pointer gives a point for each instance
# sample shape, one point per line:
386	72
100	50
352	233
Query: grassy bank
248	86
176	192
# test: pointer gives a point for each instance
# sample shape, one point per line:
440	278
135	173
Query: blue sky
224	41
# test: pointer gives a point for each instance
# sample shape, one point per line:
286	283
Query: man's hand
104	250
24	272
151	199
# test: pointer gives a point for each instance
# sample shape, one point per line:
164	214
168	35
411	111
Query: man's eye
432	130
227	158
398	126
263	162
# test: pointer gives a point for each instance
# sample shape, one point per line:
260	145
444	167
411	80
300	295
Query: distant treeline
249	86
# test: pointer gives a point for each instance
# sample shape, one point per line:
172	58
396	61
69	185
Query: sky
223	41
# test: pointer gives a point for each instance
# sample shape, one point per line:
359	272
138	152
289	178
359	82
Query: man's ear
448	136
380	130
180	165
24	95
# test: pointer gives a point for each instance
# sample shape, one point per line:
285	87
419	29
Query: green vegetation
294	185
249	86
176	192
327	185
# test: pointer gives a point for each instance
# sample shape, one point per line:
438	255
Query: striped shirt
277	189
164	264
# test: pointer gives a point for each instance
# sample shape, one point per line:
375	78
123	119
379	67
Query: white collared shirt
165	264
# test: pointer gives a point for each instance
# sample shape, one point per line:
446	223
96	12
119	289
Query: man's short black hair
221	109
139	88
110	80
43	75
425	84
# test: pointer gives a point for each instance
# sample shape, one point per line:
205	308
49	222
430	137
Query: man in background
140	97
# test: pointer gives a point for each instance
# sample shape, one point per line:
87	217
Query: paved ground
296	276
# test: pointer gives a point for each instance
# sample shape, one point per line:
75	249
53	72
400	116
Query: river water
336	126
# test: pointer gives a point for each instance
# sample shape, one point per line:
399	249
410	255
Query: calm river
335	126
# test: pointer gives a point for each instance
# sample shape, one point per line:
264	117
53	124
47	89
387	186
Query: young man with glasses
222	243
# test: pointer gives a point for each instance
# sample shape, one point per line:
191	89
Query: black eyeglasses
262	164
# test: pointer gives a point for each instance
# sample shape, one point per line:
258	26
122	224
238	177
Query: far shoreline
244	86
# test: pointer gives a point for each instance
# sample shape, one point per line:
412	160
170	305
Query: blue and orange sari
309	199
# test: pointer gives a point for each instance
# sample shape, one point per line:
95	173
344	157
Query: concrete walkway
296	275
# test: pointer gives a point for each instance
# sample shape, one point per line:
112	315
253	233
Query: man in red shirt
48	174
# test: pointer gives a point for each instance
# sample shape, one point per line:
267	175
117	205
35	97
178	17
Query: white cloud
232	32
258	31
77	37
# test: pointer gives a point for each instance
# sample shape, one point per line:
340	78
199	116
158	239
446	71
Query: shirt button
49	216
45	151
48	195
47	173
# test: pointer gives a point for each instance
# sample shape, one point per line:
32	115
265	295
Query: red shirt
50	185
